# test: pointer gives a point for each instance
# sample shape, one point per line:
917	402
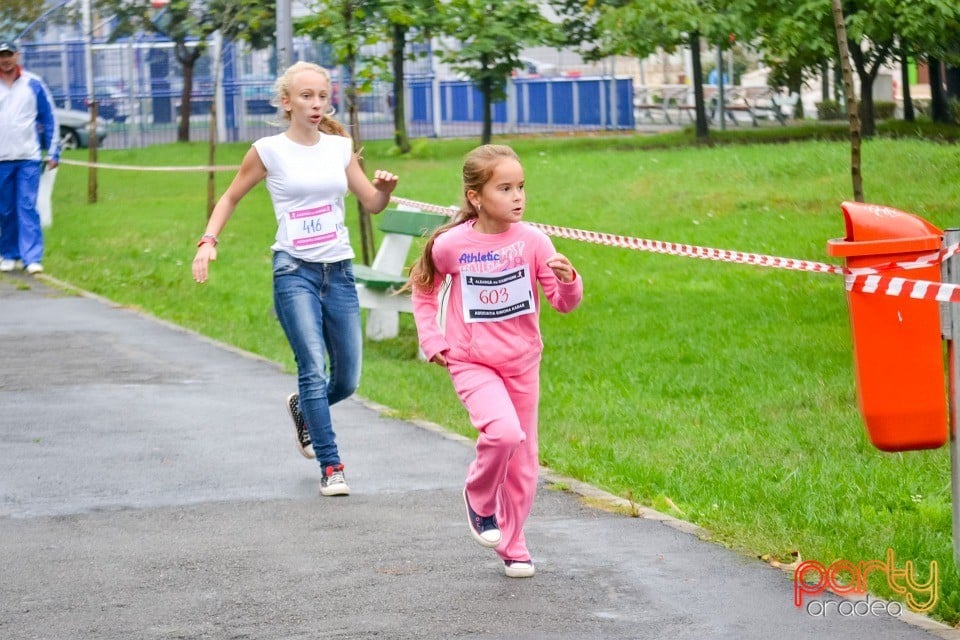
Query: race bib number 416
491	297
311	227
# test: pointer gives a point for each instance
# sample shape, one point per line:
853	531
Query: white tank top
307	185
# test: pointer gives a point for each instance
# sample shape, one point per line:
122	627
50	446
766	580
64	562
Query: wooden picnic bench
378	284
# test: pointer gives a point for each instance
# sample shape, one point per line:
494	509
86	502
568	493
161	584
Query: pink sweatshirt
493	310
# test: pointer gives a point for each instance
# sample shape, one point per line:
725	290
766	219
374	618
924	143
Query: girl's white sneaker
518	568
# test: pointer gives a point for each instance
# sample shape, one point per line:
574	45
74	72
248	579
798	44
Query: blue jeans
21	237
318	308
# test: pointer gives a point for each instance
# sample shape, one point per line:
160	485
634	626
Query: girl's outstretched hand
440	360
206	253
561	267
384	181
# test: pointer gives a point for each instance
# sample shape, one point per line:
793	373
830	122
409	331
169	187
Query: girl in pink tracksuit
490	342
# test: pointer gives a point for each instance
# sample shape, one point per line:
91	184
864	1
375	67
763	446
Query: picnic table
656	103
660	99
758	102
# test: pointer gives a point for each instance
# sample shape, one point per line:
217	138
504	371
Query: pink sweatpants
502	479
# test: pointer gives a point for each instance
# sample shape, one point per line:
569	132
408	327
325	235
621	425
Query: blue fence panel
625	114
563	99
589	102
421	100
456	104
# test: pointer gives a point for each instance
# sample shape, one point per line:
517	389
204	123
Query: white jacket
28	125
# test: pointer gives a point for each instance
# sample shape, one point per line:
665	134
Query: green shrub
829	110
883	110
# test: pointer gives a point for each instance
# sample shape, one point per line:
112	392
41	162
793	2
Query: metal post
950	322
435	103
220	112
721	102
284	35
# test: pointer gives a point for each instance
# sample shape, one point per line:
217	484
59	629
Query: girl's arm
251	172
374	196
562	285
426	307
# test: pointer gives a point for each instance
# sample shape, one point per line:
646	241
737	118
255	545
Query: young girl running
490	342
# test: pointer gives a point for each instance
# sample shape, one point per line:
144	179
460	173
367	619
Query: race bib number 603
492	297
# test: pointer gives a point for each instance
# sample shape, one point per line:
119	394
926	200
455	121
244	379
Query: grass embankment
722	393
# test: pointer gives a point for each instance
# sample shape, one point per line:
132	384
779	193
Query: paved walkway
150	489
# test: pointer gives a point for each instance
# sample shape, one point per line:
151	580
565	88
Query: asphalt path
150	488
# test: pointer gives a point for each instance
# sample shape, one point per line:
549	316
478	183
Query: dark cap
7	45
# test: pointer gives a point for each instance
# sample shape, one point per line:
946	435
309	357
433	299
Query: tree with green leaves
489	37
17	15
930	30
579	25
407	21
189	24
640	28
795	40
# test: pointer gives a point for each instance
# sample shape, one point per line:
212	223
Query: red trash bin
898	350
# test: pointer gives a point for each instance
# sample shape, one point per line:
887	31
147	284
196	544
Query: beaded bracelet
208	237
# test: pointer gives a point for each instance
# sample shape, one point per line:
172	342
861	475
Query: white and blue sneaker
518	568
483	528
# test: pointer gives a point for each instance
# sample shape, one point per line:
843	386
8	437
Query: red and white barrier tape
894	286
858	280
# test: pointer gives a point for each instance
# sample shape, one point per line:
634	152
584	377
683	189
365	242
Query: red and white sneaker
333	483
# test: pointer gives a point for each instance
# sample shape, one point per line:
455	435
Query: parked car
113	102
75	128
257	93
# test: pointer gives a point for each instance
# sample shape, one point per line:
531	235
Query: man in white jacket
28	131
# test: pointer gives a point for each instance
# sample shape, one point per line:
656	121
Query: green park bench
378	284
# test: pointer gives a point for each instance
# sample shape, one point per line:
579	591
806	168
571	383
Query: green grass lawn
721	393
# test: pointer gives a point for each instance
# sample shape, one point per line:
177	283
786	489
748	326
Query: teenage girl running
490	342
308	170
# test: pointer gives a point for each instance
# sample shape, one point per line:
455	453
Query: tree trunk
353	110
867	114
183	127
824	81
212	160
908	113
952	80
840	27
187	60
939	109
487	135
92	180
400	137
795	85
867	78
703	131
